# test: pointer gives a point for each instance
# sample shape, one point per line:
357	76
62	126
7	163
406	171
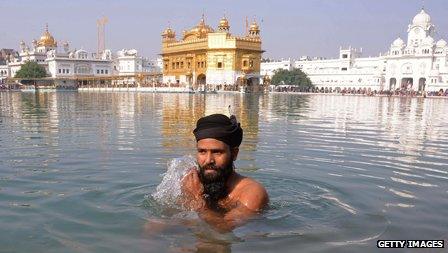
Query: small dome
422	18
223	22
254	26
398	42
441	43
47	39
168	32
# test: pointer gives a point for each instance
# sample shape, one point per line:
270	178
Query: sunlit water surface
77	171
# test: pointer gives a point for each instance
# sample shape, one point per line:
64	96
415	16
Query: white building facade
268	67
65	66
419	64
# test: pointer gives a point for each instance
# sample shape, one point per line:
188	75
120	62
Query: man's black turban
219	127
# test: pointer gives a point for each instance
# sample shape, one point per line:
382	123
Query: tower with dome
421	63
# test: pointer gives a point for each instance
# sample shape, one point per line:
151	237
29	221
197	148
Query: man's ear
234	152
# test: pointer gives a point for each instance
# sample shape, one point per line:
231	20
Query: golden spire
202	22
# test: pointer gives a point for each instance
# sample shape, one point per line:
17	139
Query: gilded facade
216	58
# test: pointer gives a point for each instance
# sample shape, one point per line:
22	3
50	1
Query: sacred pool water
79	171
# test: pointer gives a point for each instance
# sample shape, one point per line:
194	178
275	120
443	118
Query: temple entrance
201	79
421	84
392	84
253	84
406	83
249	82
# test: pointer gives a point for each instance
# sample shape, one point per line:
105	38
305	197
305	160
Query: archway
406	83
249	82
392	83
201	82
421	84
201	79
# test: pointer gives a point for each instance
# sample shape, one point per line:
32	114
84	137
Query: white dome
441	43
398	42
422	18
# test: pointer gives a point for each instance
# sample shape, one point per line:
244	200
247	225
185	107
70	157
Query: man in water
221	196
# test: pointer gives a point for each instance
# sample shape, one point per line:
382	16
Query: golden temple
212	58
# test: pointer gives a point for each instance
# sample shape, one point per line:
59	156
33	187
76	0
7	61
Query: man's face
215	160
213	156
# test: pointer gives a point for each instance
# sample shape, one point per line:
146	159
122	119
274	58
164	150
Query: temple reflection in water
180	114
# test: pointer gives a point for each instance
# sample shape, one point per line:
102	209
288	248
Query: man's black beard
215	187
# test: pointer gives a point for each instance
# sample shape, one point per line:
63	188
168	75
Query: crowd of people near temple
280	88
361	91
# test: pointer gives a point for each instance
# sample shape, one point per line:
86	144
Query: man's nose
209	159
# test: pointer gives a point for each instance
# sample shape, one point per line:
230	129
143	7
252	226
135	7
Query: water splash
169	190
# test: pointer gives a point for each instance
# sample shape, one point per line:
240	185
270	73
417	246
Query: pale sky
288	28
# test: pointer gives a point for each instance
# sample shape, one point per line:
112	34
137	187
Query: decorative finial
46	27
203	18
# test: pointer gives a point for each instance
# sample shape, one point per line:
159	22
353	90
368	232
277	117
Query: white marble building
268	67
65	66
420	63
128	62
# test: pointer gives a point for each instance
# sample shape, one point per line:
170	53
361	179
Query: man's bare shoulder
252	194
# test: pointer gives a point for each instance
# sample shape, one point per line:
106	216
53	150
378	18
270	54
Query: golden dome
254	26
223	25
169	33
47	39
199	31
223	22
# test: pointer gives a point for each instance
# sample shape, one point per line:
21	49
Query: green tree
31	70
294	77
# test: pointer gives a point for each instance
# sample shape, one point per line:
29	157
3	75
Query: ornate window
83	69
